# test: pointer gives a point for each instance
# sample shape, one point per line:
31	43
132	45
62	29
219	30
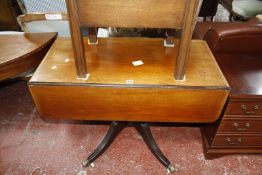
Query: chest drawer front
238	140
241	125
244	108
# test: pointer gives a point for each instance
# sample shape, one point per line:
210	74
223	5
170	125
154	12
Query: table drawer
238	140
244	108
240	125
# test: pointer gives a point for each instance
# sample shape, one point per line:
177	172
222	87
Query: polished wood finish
173	14
190	16
22	52
153	94
240	124
243	107
92	35
9	10
77	39
242	117
237	132
110	62
237	140
218	151
132	13
154	104
238	67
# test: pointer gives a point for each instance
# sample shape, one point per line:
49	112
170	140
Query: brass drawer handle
239	140
246	126
247	111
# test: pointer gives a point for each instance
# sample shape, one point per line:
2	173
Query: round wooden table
20	52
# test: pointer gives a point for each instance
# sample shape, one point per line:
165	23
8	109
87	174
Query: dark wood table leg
143	129
114	129
145	132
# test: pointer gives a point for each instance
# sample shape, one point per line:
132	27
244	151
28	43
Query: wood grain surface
154	95
154	104
132	13
22	52
243	73
188	27
171	14
110	62
77	39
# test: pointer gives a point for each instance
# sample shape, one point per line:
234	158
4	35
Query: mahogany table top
110	62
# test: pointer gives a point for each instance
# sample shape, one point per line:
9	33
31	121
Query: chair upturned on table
130	81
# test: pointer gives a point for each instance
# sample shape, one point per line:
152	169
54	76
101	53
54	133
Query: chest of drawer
237	140
241	125
244	108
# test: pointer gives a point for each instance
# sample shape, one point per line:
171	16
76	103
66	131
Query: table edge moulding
21	52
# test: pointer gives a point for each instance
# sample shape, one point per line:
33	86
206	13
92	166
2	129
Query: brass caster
85	163
171	169
92	165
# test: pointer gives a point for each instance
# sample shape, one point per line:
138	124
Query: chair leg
212	18
230	17
144	131
114	129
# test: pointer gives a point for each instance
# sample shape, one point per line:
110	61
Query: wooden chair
109	85
174	14
35	23
208	9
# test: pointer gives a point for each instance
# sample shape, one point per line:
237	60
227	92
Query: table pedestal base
143	129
